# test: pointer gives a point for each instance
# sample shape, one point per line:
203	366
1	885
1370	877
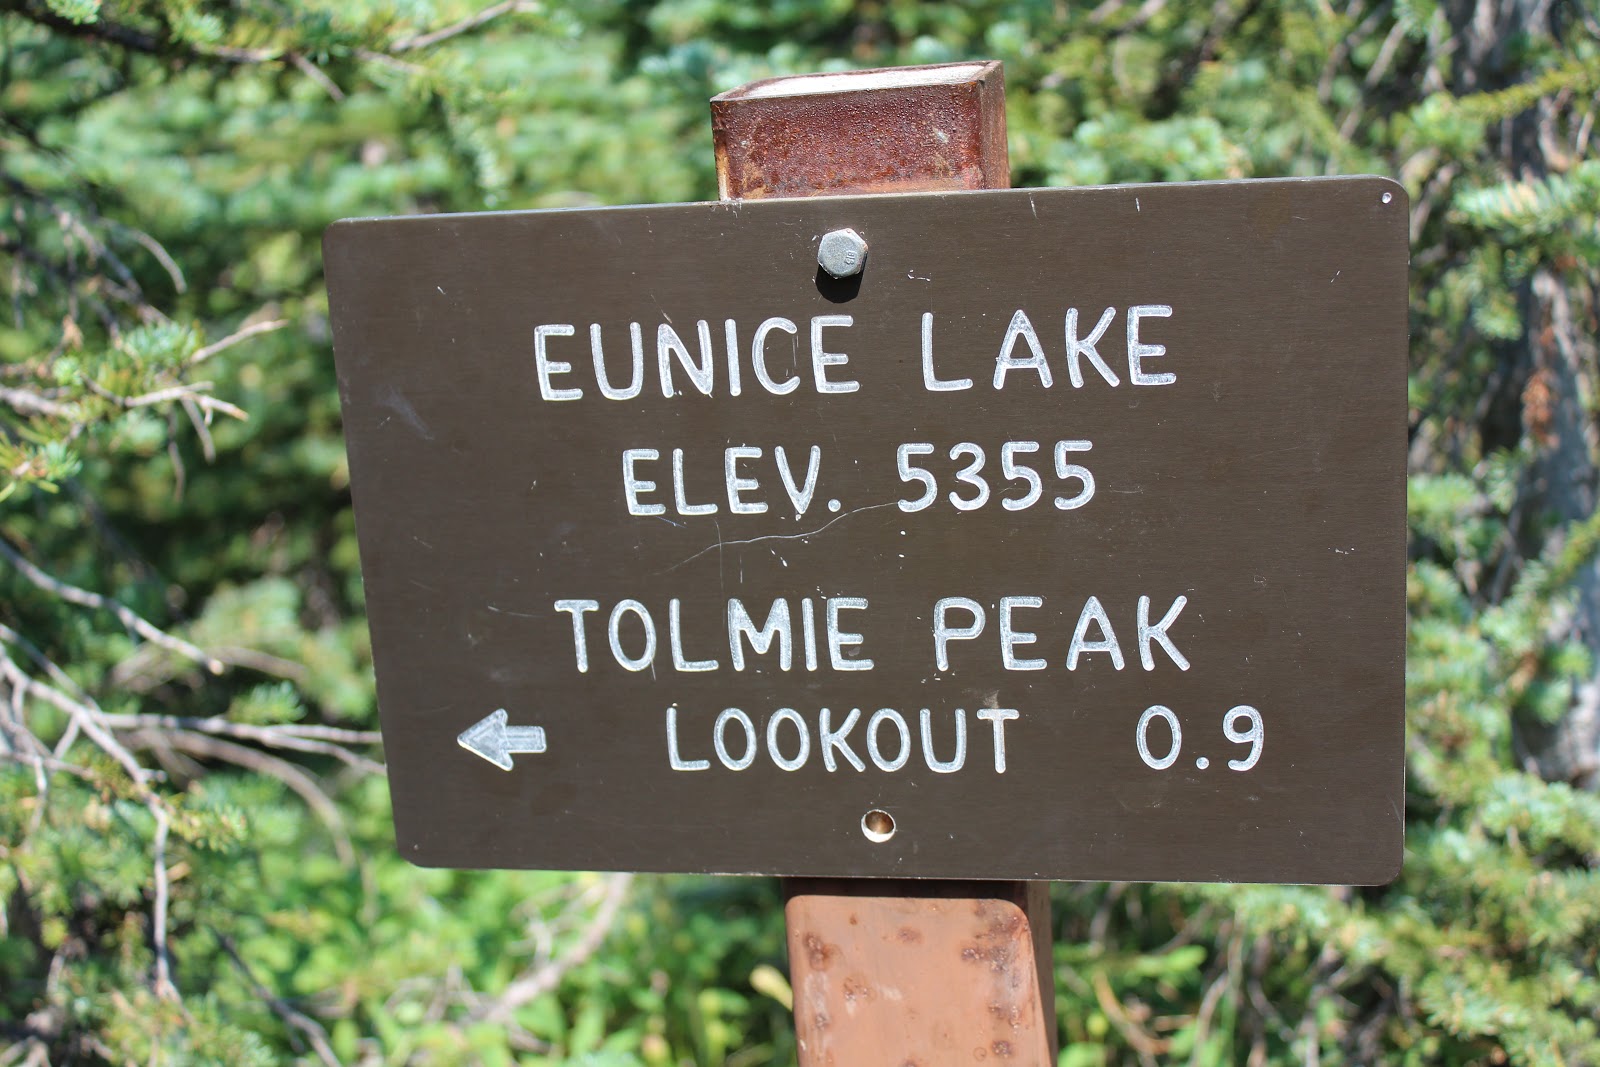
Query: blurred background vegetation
196	864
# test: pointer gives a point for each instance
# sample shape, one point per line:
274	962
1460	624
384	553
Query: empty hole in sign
877	825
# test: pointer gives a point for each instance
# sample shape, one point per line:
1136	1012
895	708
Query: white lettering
821	360
839	639
1011	638
944	633
675	639
545	366
888	715
578	608
1021	327
632	607
677	762
1158	634
801	497
758	357
633	485
777	628
679	497
999	716
720	742
669	345
730	335
636	386
737	485
890	744
1138	352
1086	347
808	631
1093	612
930	380
783	715
959	759
835	739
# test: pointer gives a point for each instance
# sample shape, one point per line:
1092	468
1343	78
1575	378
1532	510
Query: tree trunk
1547	381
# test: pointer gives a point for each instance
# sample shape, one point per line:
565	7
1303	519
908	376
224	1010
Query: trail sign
1064	539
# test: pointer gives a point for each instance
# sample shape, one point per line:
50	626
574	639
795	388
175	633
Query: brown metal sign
1063	539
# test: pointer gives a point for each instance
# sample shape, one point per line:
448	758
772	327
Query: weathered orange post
888	971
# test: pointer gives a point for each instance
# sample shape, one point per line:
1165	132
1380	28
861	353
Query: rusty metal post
901	130
896	972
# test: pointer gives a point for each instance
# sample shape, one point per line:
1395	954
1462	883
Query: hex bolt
842	253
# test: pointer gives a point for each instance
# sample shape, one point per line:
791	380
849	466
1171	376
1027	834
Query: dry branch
126	615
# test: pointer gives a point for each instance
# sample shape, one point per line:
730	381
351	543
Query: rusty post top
896	129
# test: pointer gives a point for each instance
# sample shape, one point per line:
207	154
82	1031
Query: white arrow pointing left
492	739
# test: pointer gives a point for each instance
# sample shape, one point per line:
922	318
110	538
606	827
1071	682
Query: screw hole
1388	198
877	825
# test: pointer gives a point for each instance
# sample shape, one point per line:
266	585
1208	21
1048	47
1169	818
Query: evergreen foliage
196	864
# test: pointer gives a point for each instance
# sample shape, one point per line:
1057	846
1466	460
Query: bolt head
842	253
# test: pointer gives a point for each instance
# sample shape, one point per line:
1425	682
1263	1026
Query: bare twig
216	725
85	713
155	248
1146	1047
1344	46
18	743
194	392
393	63
323	740
316	74
31	403
150	666
126	615
297	780
52	764
466	25
1208	1007
208	447
188	390
158	912
88	717
546	976
253	330
57	675
298	1020
1386	53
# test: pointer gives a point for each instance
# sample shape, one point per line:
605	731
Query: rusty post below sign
895	971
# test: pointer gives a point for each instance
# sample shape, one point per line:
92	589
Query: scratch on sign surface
778	537
391	398
508	611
